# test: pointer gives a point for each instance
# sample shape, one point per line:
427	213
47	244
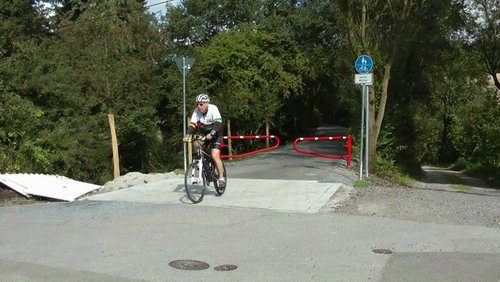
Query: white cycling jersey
207	119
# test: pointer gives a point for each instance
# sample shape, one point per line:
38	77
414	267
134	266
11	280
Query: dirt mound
134	179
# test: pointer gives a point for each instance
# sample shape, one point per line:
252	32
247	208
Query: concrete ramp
299	196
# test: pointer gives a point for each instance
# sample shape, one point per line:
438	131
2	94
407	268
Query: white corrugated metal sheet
48	186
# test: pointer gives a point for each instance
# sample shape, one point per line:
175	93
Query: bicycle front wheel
194	181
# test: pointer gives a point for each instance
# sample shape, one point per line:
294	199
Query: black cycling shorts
216	142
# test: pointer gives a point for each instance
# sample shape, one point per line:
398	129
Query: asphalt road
118	240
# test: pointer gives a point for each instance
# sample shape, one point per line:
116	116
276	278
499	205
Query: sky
160	8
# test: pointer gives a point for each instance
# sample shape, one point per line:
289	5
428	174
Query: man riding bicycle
206	120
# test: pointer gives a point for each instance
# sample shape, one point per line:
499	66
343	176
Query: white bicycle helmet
202	98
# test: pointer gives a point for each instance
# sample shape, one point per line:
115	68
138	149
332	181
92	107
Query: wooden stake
114	146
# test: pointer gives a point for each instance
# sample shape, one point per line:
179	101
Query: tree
244	73
22	27
483	32
383	29
101	64
453	84
477	131
195	22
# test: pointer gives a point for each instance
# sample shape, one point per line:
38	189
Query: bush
460	164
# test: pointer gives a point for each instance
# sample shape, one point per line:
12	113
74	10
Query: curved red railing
252	152
348	145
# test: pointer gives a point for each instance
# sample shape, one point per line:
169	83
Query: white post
362	130
367	124
184	107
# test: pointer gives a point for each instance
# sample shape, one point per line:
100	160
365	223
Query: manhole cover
382	251
189	264
225	267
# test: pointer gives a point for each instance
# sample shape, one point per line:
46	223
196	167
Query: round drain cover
189	264
382	251
225	267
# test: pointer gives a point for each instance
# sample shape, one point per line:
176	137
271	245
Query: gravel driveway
443	196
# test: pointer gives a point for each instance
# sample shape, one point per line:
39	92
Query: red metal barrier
348	145
253	152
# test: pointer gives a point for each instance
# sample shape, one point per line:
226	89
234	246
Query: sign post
184	64
364	77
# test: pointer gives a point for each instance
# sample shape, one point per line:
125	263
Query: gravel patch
423	205
134	179
428	201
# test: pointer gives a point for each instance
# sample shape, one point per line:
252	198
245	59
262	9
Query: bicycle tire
218	189
195	186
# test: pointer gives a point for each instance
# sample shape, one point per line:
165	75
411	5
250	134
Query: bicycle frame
201	160
201	172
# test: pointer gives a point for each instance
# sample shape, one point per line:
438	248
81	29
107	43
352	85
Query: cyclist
206	120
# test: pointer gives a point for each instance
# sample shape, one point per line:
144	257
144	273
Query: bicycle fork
197	174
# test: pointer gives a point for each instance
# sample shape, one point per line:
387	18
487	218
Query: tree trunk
376	118
495	80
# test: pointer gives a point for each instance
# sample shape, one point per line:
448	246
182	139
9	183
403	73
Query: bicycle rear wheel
219	190
194	181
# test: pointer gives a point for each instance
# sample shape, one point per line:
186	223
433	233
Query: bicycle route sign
363	64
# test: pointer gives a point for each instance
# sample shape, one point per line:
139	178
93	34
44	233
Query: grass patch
361	183
390	171
9	197
460	187
488	173
456	183
404	179
18	202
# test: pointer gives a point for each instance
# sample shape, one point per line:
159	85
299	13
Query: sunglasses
200	104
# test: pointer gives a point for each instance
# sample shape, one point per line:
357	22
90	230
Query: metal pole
184	107
362	130
367	124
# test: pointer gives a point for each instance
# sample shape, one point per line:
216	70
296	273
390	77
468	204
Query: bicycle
201	172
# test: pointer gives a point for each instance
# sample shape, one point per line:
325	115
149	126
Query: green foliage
245	74
20	119
19	136
88	67
490	173
197	21
460	164
286	63
486	172
397	173
477	131
361	183
482	18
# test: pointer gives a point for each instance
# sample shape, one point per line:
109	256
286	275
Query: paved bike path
302	196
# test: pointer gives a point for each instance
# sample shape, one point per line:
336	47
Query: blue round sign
363	64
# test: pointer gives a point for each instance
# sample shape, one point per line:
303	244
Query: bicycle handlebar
196	137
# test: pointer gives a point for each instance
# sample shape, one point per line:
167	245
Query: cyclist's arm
217	123
217	129
192	125
191	129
